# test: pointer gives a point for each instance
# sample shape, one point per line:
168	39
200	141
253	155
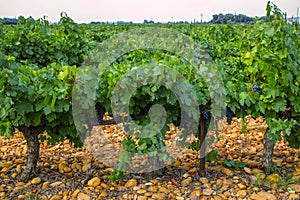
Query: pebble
273	177
247	170
3	148
225	187
241	193
45	185
142	198
86	167
83	196
203	180
16	189
294	196
153	188
207	192
176	163
14	175
21	197
187	166
257	171
278	163
103	194
222	196
197	193
159	196
136	187
217	198
241	186
36	181
290	159
186	181
19	169
103	185
94	182
18	161
43	197
164	190
131	183
141	191
185	175
227	194
56	197
227	182
55	184
227	171
76	192
263	196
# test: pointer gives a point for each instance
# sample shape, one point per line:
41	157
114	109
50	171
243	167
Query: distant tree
223	19
95	23
10	20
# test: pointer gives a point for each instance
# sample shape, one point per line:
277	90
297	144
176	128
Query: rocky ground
66	172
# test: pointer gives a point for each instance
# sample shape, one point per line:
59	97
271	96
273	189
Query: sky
85	11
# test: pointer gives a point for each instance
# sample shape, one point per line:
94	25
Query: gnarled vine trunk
268	152
203	132
33	149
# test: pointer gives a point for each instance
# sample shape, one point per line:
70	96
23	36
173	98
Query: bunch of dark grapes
229	115
256	88
295	127
177	122
287	114
204	113
44	119
244	107
100	112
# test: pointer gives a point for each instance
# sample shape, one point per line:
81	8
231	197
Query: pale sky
138	10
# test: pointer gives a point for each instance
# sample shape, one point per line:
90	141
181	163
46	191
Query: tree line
216	19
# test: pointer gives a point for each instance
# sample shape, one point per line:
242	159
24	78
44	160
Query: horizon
137	11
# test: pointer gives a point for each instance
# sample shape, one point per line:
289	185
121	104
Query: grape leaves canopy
258	63
128	80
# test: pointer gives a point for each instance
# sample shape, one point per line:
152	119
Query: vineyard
210	111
